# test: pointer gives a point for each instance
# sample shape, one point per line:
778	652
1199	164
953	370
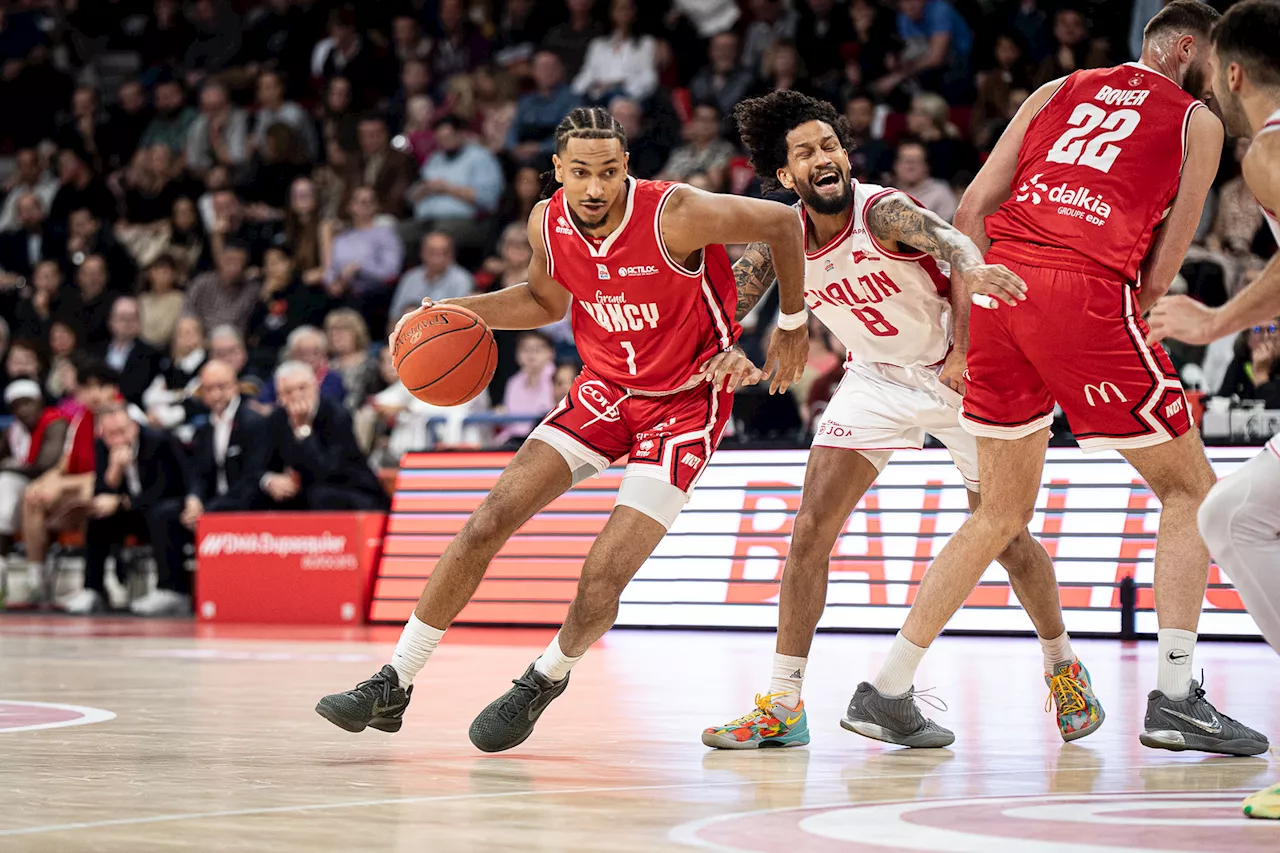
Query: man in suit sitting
27	245
230	449
135	360
313	461
139	488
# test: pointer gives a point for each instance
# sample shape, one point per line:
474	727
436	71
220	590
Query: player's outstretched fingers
404	318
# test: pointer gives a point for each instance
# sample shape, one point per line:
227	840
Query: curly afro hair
764	123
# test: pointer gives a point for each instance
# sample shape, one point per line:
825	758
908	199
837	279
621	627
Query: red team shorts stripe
1077	340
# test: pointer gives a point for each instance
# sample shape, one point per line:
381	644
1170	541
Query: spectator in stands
378	165
571	40
520	28
562	379
310	346
724	81
621	62
23	248
165	401
784	69
459	47
1070	49
338	119
272	170
32	445
38	305
227	345
537	113
419	129
303	231
96	299
647	155
286	301
83	128
277	42
24	360
136	361
365	259
936	43
771	21
220	134
29	178
347	54
187	243
140	483
1254	373
705	152
151	185
821	28
229	450
231	223
876	46
79	189
992	109
439	276
530	391
459	188
929	122
224	296
216	43
273	108
127	120
59	498
61	382
869	157
408	44
173	119
415	81
313	460
160	301
349	355
911	175
1236	223
88	236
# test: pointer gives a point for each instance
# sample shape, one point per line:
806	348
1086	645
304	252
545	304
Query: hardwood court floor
214	747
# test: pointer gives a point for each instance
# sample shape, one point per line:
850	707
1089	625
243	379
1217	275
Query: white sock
417	641
554	664
1177	647
1056	652
899	669
788	678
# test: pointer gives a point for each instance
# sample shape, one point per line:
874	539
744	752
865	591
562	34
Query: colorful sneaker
769	725
1071	691
1264	804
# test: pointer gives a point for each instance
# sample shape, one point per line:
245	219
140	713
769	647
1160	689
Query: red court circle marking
20	716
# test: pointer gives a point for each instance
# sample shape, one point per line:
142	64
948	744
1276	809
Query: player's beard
584	225
1194	81
826	205
1231	111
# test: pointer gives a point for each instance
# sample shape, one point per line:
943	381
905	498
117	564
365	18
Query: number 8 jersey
885	307
1099	167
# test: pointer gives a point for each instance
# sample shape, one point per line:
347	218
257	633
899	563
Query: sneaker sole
1176	741
726	742
925	741
1088	730
389	725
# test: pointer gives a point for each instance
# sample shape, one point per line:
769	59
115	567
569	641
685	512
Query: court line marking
87	715
687	833
169	818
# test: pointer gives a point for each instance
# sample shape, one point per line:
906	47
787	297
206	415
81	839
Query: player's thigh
1175	468
1011	470
835	479
1005	395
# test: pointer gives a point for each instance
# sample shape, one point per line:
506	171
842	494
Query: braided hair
583	123
764	123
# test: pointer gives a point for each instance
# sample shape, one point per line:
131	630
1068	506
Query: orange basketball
445	355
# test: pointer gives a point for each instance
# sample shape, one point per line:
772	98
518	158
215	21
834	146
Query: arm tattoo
895	217
754	274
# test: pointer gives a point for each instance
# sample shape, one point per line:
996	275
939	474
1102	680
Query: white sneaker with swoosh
1194	724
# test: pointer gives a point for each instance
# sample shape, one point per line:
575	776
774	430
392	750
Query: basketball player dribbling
1092	195
643	267
1240	519
872	276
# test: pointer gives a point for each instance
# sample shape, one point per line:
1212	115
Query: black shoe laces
1197	696
518	698
378	687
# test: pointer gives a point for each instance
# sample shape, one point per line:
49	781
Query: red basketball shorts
1077	339
667	440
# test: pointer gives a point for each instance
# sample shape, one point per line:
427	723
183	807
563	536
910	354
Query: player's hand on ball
730	370
404	318
1183	319
786	358
995	281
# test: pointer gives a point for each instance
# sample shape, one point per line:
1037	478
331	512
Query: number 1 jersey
640	319
1099	167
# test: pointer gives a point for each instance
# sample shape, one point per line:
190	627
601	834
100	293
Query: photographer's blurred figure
314	462
139	489
229	451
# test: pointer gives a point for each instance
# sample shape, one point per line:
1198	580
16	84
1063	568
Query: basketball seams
475	321
486	375
461	361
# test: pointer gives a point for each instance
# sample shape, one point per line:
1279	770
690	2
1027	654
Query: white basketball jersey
1272	125
885	307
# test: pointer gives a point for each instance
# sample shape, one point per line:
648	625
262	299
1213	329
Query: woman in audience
266	185
1254	374
331	181
365	260
286	302
179	372
305	236
62	346
188	243
160	301
495	108
24	360
149	186
349	355
419	128
338	120
784	69
522	193
929	122
621	62
531	391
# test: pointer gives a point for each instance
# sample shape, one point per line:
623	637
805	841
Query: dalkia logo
270	545
1081	199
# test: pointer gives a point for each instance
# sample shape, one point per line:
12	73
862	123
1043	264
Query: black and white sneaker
378	703
1194	724
509	719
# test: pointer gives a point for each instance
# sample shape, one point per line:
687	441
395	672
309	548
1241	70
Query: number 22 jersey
1099	169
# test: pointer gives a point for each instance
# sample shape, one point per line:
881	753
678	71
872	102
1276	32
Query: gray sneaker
1193	723
893	719
377	703
508	720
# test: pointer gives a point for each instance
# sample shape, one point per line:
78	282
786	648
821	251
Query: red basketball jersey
1099	167
640	319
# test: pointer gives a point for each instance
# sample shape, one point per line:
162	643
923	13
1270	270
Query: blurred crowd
257	186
